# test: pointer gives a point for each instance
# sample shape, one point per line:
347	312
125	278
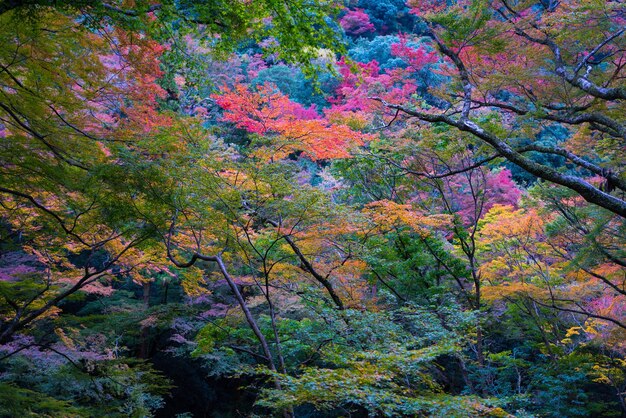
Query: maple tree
583	66
62	126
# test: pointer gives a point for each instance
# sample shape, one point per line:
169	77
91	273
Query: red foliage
269	113
131	100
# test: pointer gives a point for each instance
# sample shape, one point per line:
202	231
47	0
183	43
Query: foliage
356	22
433	225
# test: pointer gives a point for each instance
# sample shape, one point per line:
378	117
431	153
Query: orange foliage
292	128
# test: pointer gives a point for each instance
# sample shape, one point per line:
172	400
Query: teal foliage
550	136
378	49
293	83
391	16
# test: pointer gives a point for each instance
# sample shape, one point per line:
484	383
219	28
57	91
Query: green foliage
383	367
16	401
91	388
299	27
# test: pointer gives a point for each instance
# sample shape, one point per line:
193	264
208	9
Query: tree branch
589	192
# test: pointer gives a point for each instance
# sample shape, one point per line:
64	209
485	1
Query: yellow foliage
387	214
493	293
503	222
573	331
192	283
67	341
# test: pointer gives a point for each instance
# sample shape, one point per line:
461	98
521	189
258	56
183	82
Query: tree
72	129
229	224
582	67
298	27
66	126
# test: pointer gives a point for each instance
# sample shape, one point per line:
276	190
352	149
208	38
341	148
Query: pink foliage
356	22
14	273
494	188
256	63
177	338
611	306
363	80
217	310
608	305
501	189
306	113
424	7
132	69
17	265
92	348
473	193
417	58
183	332
98	287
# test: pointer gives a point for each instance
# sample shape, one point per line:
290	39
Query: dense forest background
308	208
